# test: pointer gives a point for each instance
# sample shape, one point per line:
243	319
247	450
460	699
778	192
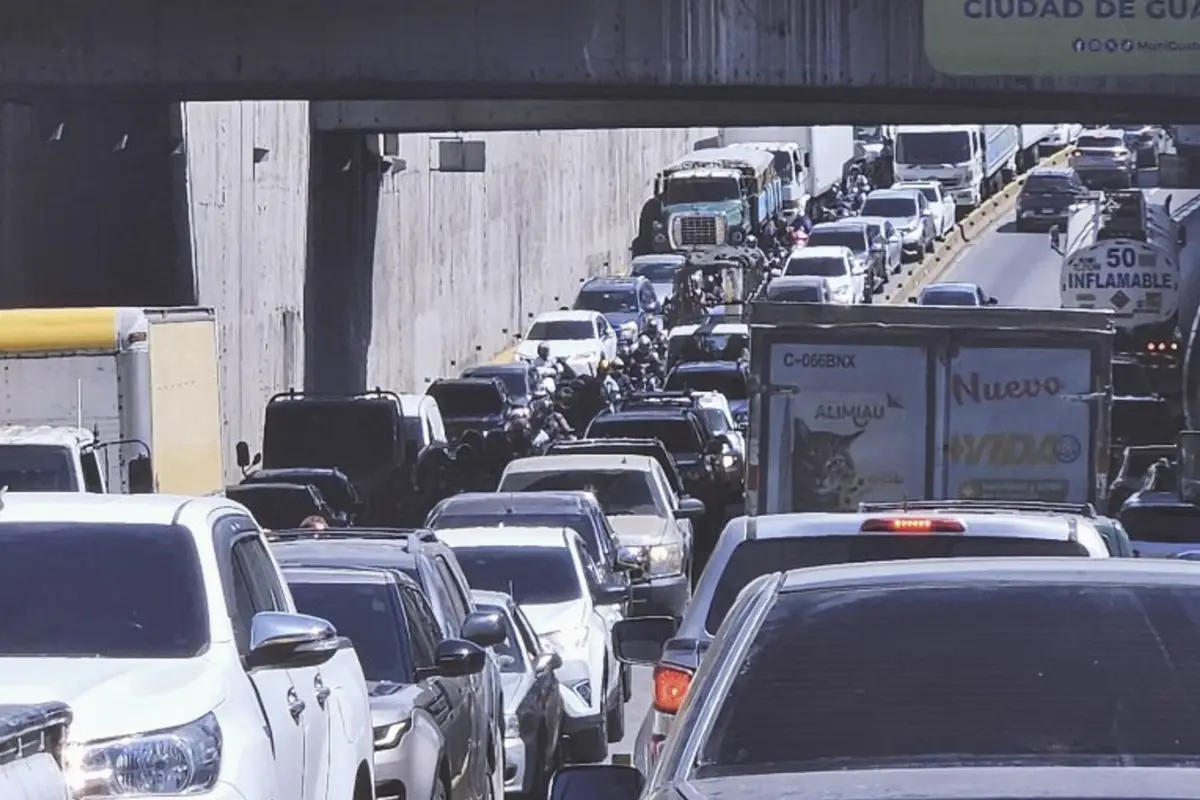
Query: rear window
677	435
531	575
757	557
1047	184
450	520
958	675
1101	142
729	382
355	435
856	240
948	298
1163	524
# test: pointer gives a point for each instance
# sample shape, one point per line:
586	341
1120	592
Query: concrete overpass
636	62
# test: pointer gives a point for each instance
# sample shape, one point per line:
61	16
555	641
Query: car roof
846	224
571	315
553	502
507	536
51	435
307	574
137	509
914	184
1051	172
659	258
613	282
973	571
885	193
1047	527
377	553
484	370
567	463
709	366
951	287
646	413
878	221
820	251
793	281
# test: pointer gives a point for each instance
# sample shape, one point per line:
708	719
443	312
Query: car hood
619	318
639	531
567	348
391	701
550	617
112	697
515	685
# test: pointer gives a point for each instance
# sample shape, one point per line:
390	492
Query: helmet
543	350
654	325
617	363
603	365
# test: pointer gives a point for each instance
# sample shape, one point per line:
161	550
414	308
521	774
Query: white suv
165	624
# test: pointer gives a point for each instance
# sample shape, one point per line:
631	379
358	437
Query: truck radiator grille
698	230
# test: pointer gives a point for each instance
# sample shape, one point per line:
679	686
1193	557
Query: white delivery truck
819	155
875	403
972	162
110	399
1121	253
1032	137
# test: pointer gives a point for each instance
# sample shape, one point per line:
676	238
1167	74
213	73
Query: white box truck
110	399
874	403
822	155
972	162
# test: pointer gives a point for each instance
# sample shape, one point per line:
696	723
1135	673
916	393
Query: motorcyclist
857	187
609	372
545	366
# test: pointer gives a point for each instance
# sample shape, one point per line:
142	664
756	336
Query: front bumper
1042	217
661	597
516	766
912	241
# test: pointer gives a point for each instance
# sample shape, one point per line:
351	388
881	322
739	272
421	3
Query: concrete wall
330	275
463	261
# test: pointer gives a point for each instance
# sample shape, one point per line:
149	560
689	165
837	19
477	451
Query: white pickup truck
941	205
164	623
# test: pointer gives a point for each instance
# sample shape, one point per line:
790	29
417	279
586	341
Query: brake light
670	687
912	525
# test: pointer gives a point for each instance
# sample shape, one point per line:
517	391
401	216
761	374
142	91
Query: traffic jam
727	526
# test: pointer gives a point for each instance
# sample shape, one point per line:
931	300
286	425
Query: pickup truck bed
31	739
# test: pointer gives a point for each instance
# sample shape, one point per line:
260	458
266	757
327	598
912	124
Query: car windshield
562	330
1047	184
656	271
701	190
855	240
756	557
450	520
509	653
92	590
729	382
820	266
531	575
868	133
37	468
933	148
1164	524
716	419
369	616
515	381
678	435
890	207
624	492
956	675
1100	142
707	347
355	435
795	294
948	297
607	301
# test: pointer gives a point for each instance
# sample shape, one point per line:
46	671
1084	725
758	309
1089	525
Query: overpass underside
837	57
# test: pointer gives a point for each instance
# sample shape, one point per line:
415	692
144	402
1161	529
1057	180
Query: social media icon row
1097	45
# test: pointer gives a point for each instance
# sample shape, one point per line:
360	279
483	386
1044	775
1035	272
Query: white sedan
583	338
847	278
941	205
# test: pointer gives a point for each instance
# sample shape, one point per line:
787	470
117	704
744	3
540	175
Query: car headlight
665	559
175	761
512	727
568	639
728	461
582	688
388	736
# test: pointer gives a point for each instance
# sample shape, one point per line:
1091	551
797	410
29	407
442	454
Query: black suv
1047	196
520	379
419	555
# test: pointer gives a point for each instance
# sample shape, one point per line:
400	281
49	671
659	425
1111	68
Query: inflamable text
1121	280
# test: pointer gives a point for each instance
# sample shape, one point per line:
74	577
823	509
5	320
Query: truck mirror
141	476
1056	239
243	454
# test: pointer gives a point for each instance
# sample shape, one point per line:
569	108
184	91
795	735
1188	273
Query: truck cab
59	458
717	197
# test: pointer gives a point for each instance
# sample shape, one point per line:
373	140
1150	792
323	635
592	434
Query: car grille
696	230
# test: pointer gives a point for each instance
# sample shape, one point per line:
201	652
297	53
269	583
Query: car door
447	700
543	698
283	711
895	244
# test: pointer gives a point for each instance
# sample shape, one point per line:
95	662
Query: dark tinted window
37	468
531	575
729	382
795	294
949	298
753	558
423	631
933	147
817	265
856	240
276	507
559	330
575	521
710	347
1048	184
1165	524
467	399
516	382
369	615
618	491
698	190
1101	142
100	590
607	301
351	434
658	272
959	675
892	207
678	435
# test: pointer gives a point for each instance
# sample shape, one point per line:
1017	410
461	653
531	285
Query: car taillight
912	525
670	687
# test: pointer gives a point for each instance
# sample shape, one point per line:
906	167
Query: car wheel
626	683
616	721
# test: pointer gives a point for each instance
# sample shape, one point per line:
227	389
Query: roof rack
377	393
400	535
982	506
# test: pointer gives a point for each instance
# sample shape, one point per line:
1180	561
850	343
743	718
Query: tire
495	779
615	722
626	683
590	747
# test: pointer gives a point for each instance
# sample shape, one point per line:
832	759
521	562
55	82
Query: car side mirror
596	782
455	658
548	662
485	628
141	475
912	300
991	301
1056	240
690	508
611	593
280	640
640	640
716	446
